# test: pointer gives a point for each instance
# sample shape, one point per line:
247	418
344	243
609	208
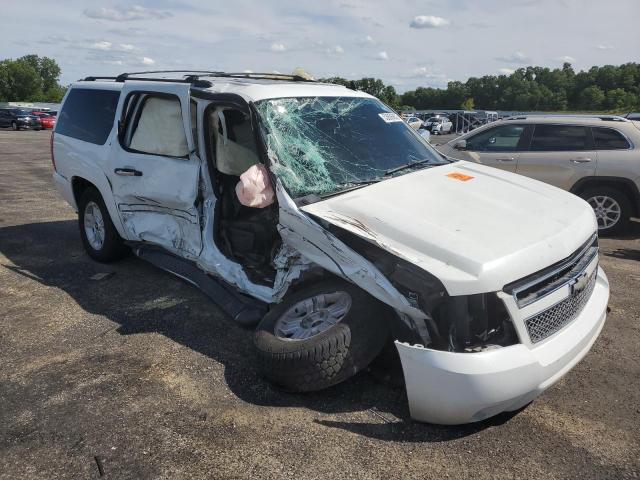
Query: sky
406	43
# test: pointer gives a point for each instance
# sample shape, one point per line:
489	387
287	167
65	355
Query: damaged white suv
317	214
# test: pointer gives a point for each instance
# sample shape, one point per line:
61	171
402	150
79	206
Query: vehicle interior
247	235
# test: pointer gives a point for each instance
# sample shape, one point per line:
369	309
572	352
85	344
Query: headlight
458	324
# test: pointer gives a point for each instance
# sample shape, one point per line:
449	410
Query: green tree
591	98
30	78
618	99
468	104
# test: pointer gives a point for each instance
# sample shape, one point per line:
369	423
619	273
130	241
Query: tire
331	356
112	247
612	200
14	126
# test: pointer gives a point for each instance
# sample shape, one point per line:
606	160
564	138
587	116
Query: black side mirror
460	145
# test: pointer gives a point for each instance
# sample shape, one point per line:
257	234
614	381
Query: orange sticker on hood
460	176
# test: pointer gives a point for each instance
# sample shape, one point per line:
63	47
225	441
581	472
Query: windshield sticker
390	117
460	176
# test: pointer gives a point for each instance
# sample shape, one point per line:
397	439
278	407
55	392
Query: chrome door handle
128	172
580	160
506	159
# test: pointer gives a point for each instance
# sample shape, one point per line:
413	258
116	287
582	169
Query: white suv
314	212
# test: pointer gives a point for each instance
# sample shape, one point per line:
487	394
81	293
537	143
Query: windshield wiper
348	186
391	171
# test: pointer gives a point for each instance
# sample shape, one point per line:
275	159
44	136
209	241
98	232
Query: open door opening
247	235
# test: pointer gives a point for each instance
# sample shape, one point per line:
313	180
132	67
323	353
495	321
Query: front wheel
612	209
320	335
99	236
14	126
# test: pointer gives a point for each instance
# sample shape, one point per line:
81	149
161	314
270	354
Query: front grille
553	319
540	284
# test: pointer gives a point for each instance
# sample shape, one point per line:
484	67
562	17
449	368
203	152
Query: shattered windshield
322	145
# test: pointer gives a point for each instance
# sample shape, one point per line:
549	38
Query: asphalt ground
136	374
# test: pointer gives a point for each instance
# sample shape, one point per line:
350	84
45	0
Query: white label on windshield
390	117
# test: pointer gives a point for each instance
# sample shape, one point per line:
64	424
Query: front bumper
454	388
29	125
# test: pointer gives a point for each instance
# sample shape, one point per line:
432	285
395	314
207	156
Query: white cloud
101	45
106	46
506	71
369	39
566	58
277	47
428	21
603	46
515	57
125	14
382	56
148	61
337	50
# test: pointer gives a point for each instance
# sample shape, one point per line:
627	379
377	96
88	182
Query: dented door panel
156	195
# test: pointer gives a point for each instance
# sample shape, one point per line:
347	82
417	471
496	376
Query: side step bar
244	310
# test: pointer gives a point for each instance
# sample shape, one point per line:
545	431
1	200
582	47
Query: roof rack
604	118
194	76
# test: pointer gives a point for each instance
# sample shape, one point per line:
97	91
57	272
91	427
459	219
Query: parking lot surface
136	374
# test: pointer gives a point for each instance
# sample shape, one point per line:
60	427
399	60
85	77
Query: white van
314	212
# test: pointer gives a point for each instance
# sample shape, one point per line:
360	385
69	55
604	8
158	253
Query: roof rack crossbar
256	75
93	79
194	76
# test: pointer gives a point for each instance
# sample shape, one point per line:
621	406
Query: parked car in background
414	122
439	125
17	118
633	116
47	120
425	133
597	158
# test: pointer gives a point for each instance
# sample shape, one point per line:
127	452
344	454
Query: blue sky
405	42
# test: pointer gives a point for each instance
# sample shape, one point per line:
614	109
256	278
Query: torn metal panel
319	246
178	233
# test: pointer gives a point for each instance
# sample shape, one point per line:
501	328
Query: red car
48	121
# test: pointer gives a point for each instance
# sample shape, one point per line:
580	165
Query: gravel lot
138	375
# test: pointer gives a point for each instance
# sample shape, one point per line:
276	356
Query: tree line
608	88
30	79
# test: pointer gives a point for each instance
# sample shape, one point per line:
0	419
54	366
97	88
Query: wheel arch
79	185
625	185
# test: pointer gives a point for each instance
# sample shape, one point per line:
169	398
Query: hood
474	227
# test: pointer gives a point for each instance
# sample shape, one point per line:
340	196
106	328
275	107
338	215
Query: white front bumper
454	388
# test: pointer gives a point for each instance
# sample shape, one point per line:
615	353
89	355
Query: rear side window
87	114
560	138
609	139
154	125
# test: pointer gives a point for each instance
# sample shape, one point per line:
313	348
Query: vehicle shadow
140	298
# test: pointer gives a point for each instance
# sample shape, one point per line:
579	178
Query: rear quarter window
560	138
609	139
87	114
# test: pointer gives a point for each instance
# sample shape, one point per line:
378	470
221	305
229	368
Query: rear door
154	169
559	154
498	146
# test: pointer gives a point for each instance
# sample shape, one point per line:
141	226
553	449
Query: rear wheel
320	336
99	236
612	209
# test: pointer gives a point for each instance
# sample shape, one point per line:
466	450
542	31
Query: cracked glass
322	145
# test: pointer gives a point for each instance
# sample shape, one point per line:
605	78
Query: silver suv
597	158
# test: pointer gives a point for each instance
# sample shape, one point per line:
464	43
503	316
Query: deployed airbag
254	188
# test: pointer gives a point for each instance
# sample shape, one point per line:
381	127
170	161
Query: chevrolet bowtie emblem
579	283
